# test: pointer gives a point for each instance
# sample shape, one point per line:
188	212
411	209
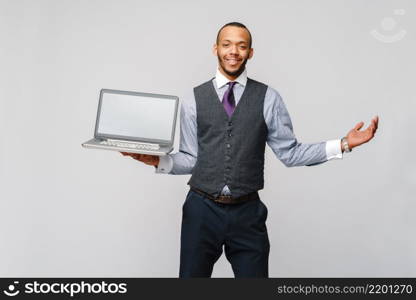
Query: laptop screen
136	116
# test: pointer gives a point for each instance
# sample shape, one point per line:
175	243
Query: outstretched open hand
355	137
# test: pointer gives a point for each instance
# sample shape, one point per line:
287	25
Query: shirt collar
221	80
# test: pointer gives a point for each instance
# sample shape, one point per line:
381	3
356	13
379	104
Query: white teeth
232	61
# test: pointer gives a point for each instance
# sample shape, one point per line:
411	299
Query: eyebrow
240	42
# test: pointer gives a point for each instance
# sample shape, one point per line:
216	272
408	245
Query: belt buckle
223	199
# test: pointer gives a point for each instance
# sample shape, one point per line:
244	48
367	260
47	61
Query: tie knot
231	84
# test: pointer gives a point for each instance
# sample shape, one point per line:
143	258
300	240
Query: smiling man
231	61
226	123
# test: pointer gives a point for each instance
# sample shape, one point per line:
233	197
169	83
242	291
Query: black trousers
208	226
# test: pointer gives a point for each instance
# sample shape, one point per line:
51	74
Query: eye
225	45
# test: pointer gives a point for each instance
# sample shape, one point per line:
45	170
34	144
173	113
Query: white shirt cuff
333	149
165	164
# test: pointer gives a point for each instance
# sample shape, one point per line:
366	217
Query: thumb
359	125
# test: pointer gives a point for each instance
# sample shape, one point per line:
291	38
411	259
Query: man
225	124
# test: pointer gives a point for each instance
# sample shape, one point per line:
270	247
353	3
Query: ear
251	53
214	49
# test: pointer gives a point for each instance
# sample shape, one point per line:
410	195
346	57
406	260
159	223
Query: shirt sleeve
282	140
183	161
333	149
165	164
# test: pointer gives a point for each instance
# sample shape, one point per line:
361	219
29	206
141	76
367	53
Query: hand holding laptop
152	160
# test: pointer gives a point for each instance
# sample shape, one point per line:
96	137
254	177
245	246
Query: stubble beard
235	73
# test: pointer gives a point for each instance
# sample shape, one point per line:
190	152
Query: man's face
233	50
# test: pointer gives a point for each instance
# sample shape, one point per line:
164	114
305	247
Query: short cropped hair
235	24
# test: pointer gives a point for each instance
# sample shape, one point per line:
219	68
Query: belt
227	199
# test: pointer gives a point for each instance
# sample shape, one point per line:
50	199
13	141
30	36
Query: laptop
135	122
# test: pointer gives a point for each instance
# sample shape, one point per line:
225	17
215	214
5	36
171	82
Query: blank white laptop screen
136	116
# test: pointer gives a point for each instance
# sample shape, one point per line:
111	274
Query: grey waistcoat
230	150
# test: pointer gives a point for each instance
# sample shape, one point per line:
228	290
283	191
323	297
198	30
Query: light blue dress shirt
280	138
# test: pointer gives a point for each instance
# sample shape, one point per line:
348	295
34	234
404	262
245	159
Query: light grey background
69	211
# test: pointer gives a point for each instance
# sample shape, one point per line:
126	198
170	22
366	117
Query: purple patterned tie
228	100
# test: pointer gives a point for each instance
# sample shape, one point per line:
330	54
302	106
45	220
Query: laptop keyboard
130	145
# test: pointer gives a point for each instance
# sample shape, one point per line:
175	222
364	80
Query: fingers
134	155
376	122
374	125
146	158
359	125
372	128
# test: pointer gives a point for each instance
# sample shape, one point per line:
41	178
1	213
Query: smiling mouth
232	61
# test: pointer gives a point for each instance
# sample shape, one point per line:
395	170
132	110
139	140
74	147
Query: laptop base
96	144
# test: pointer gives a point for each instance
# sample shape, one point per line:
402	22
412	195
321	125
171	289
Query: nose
234	49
